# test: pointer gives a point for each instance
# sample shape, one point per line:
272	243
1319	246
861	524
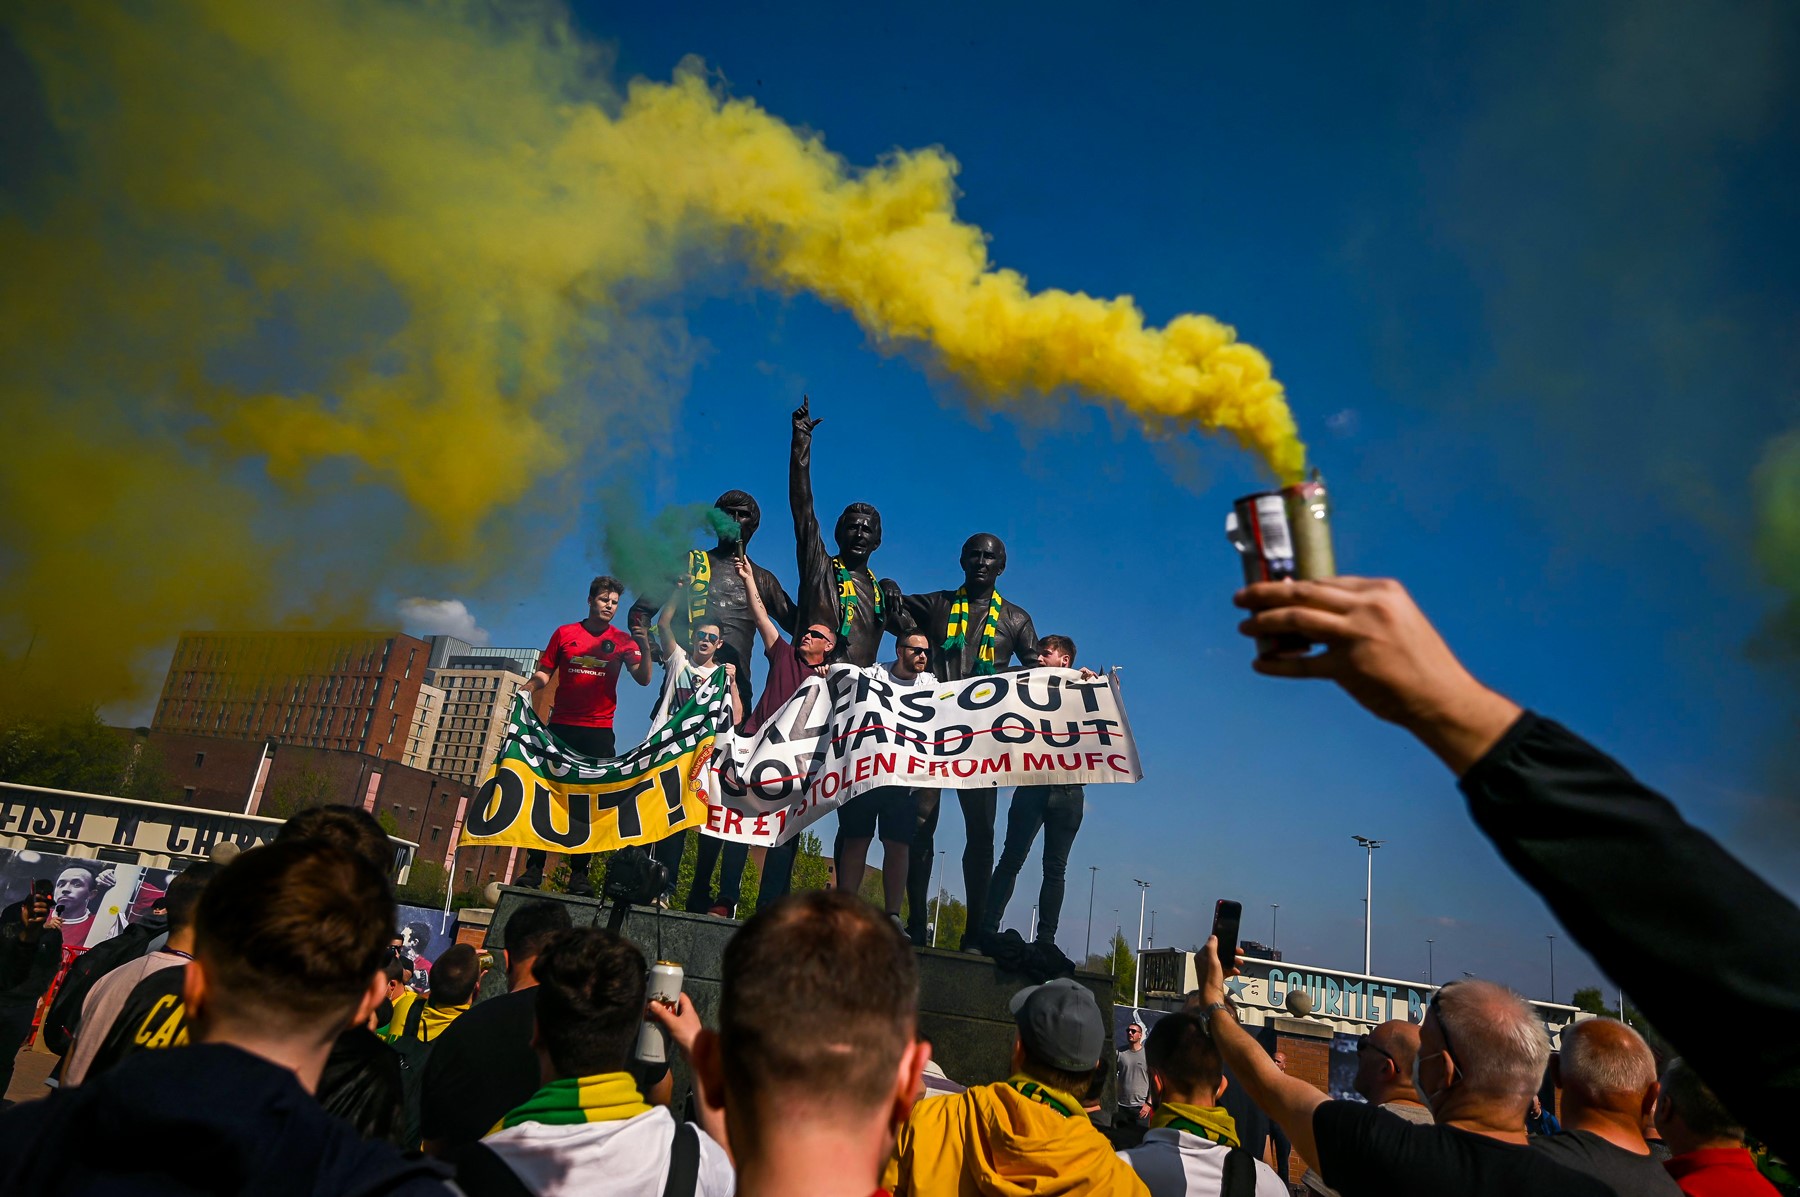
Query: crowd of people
274	1042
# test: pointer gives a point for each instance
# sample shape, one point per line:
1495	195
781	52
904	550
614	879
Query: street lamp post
1137	970
1430	964
1368	896
1552	940
1274	925
1093	874
937	924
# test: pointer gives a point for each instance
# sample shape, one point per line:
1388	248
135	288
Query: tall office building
477	697
356	691
422	737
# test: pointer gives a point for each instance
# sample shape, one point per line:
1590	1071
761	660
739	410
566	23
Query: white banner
848	732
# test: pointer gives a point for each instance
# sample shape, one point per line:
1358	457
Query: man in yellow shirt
1027	1133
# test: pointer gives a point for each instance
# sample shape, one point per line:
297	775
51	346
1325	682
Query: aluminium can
663	985
1280	535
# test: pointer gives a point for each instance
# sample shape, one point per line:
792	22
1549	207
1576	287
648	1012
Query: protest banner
840	735
542	794
849	732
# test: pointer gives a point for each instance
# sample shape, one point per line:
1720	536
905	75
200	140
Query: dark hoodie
209	1119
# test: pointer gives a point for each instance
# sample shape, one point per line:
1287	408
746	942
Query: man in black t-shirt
1608	1079
1482	1053
484	1065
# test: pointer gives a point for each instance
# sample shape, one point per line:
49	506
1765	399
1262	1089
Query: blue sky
1529	277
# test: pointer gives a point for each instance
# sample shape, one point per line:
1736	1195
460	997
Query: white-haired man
1609	1089
1481	1055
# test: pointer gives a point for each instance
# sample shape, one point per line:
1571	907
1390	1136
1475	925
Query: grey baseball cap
1060	1024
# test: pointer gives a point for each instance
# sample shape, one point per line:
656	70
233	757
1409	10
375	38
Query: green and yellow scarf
1044	1095
1209	1122
957	634
847	599
700	569
603	1097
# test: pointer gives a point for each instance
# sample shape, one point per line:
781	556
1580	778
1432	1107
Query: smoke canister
1283	534
663	985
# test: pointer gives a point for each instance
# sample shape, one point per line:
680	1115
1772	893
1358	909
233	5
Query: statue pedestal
962	997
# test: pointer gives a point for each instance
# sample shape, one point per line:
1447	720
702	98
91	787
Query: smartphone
43	887
1226	917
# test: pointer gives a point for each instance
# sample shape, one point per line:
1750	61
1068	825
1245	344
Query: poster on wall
421	941
96	899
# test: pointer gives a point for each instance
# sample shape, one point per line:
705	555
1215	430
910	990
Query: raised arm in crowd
1704	945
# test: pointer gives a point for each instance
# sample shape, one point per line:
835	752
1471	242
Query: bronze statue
973	631
715	593
840	591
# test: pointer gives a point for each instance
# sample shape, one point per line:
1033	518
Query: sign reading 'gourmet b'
838	736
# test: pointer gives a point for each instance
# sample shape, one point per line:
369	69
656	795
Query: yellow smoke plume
307	301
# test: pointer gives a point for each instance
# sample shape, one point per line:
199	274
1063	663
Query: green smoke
1777	485
648	554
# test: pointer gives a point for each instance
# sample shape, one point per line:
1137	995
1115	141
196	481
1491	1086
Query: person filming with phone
1662	908
1482	1053
30	953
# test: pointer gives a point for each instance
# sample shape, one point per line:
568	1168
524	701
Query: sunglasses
921	650
813	634
707	637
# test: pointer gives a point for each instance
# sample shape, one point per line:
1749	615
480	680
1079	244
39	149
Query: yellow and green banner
543	794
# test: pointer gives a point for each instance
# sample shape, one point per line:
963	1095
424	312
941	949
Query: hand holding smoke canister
663	985
1283	534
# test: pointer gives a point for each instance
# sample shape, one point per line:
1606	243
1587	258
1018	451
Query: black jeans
978	807
15	1026
777	872
668	852
731	881
588	741
1057	809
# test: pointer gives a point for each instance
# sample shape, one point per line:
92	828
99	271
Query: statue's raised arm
839	590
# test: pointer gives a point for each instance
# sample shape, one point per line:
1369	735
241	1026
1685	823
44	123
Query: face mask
1419	1085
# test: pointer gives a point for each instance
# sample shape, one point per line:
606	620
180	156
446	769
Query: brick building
263	777
354	691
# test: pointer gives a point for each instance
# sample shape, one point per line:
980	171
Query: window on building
187	795
199	759
437	833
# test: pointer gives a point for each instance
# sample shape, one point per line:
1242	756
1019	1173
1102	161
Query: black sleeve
1680	923
818	589
1361	1147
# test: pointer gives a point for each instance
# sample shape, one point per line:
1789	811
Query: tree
424	886
952	917
1122	964
812	869
1592	1001
296	792
147	776
63	752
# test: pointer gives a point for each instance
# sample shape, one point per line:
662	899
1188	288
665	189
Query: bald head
1384	1063
1605	1068
1495	1040
1400	1040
